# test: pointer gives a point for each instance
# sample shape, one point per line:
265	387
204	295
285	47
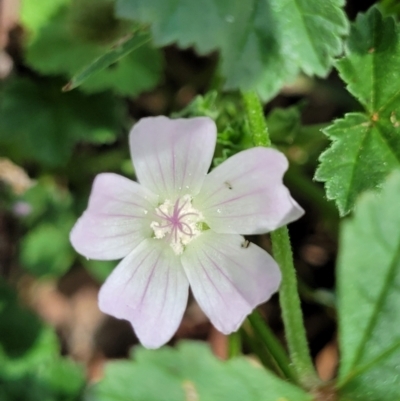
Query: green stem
288	294
262	353
291	310
256	120
273	345
234	344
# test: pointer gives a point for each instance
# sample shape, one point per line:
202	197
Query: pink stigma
176	220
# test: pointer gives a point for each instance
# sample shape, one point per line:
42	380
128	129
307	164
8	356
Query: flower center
179	223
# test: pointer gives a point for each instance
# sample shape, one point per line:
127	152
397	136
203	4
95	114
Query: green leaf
41	375
191	372
38	122
43	349
48	200
14	318
31	368
263	44
111	57
369	297
284	125
99	269
95	21
35	13
46	250
366	146
59	49
302	144
390	7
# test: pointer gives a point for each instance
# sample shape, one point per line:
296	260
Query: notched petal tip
246	194
150	290
153	125
229	279
172	156
150	339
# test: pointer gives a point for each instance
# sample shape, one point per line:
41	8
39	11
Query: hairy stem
273	345
288	294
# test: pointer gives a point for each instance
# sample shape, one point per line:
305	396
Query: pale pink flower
181	226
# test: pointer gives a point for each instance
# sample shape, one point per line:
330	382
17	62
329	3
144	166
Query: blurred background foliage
53	143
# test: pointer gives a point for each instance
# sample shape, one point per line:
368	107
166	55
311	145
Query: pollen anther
177	222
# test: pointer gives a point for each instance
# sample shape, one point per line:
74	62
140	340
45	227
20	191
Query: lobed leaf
263	43
191	372
369	297
366	146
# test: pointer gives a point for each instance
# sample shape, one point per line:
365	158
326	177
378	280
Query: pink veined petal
246	195
229	277
150	290
172	157
116	220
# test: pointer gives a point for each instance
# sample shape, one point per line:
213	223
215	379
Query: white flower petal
229	277
117	219
149	288
246	195
172	157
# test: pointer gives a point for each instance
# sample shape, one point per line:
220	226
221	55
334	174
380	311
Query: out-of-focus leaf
99	269
45	377
35	13
16	319
31	368
95	21
390	6
369	297
302	144
38	122
263	43
191	372
366	146
58	49
284	125
64	378
104	61
208	105
43	349
46	250
48	202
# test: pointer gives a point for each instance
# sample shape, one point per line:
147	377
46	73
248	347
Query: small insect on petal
245	244
228	184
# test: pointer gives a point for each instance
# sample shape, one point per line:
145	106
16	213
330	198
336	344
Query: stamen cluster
178	223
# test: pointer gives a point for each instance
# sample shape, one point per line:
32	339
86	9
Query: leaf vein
378	306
